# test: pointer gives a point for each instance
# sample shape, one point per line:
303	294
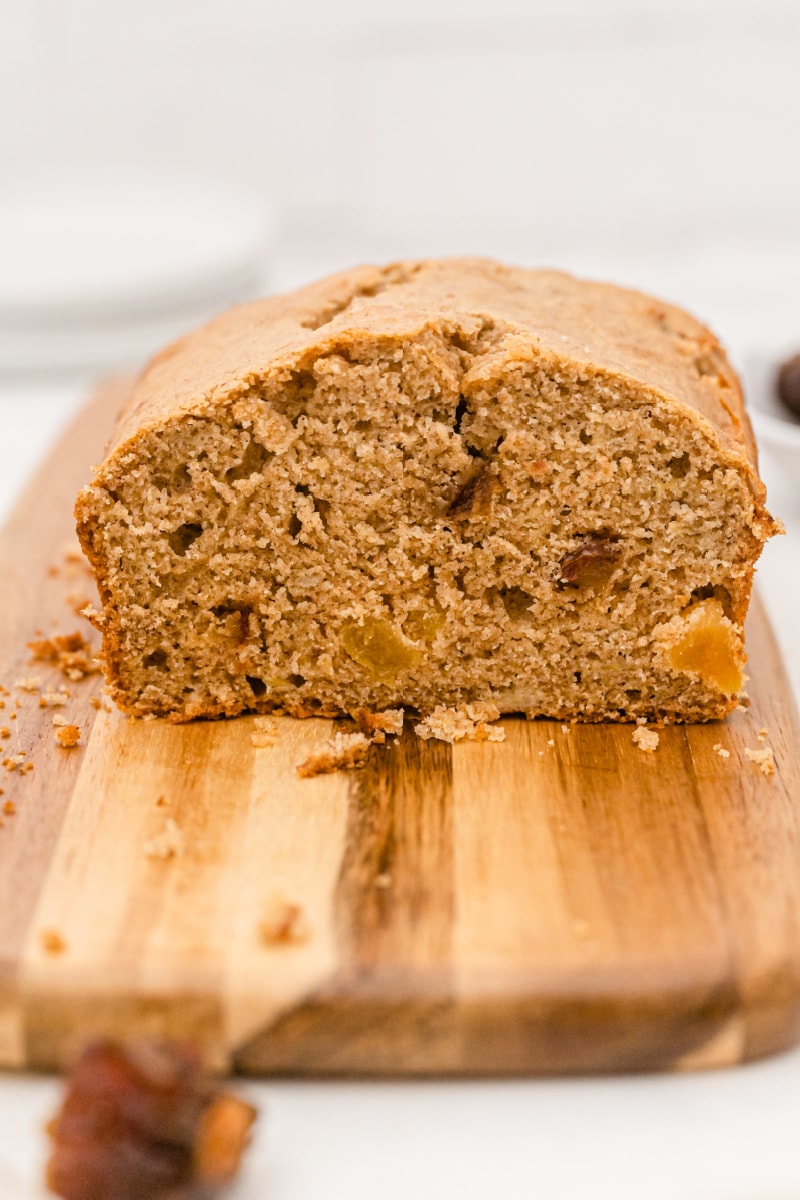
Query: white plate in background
103	272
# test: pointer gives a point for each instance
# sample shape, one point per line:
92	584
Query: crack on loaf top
392	276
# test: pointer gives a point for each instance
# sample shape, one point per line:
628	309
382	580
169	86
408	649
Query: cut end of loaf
441	518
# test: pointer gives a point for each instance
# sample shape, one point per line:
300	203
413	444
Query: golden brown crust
607	329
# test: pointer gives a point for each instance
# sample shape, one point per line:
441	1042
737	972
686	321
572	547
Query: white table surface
730	1135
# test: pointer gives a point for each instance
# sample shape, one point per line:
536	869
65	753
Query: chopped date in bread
145	1122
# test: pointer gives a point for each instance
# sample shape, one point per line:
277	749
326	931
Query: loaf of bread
436	483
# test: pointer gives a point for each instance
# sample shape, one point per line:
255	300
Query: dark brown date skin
789	384
144	1122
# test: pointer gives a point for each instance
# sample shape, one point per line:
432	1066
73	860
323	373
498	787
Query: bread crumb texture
265	733
646	739
431	485
284	923
67	736
457	724
764	759
166	844
342	752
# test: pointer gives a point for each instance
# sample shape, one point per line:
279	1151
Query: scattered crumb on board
284	922
342	752
470	722
167	844
763	758
31	683
265	733
71	653
646	739
68	736
377	724
719	749
52	941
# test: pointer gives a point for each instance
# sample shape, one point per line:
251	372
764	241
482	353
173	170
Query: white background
655	143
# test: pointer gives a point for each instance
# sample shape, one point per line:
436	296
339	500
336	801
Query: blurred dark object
789	384
145	1122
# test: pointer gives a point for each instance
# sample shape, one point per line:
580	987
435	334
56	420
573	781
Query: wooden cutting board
560	901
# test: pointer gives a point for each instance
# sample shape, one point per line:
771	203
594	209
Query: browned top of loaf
595	327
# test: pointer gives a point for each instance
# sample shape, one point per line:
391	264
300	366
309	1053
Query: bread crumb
646	739
719	749
81	605
52	941
15	761
31	683
762	735
764	759
565	728
95	702
9	808
266	733
379	723
167	844
72	654
54	699
470	722
60	721
284	923
550	742
342	752
162	802
5	732
68	736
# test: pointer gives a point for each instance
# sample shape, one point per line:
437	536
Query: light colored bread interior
417	519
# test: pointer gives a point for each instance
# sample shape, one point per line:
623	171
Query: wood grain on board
555	902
